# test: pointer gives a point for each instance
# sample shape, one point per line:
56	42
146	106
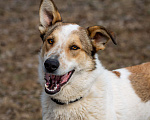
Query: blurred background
20	44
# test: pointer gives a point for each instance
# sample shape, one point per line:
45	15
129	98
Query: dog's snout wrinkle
51	65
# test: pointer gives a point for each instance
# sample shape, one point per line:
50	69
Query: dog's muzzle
51	65
54	82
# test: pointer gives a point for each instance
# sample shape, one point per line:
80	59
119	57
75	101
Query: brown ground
20	43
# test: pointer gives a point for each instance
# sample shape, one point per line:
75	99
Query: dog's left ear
49	15
100	36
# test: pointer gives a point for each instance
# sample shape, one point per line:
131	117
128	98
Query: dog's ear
100	36
49	15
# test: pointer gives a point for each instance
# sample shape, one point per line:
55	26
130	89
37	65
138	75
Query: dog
75	84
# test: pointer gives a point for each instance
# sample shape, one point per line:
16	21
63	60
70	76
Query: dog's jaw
55	82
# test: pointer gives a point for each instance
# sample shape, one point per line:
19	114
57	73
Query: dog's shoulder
140	80
140	69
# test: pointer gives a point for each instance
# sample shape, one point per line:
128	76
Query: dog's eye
74	47
50	41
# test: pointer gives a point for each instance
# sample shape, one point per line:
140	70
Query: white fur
109	98
67	30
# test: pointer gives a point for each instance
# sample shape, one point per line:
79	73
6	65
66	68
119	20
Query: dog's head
67	54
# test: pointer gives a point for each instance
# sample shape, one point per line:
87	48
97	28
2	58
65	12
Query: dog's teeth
55	87
49	90
46	85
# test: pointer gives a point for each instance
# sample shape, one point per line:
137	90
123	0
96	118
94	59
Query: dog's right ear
49	15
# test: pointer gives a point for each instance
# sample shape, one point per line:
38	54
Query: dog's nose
51	64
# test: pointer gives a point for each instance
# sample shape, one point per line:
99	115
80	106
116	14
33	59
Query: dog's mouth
55	82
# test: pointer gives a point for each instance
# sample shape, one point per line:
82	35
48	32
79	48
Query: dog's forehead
66	32
73	33
68	29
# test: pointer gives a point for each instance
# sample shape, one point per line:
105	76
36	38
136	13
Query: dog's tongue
65	78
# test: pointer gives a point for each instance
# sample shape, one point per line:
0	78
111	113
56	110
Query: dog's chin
55	82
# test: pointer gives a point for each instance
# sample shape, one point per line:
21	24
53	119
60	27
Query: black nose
51	65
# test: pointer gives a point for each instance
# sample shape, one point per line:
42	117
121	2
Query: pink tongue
65	78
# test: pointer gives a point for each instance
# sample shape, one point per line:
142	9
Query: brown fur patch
140	80
50	30
86	47
117	73
73	40
86	42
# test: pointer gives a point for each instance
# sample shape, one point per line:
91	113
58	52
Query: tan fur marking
85	41
140	80
117	73
43	49
74	40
